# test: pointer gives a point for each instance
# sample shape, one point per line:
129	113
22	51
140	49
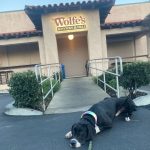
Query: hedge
26	90
135	75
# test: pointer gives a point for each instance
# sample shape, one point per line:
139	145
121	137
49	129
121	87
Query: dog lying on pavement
98	118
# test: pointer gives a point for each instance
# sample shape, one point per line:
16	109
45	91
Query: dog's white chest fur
97	129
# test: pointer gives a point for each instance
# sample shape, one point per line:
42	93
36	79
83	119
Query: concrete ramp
76	94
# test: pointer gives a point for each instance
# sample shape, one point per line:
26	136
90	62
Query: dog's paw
127	119
68	135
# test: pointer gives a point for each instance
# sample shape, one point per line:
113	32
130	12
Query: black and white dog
98	118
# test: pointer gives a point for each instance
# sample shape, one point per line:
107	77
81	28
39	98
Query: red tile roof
129	23
32	33
35	12
20	34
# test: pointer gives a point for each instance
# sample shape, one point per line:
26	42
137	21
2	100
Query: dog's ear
74	128
91	131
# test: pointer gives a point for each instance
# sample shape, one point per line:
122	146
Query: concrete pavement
76	94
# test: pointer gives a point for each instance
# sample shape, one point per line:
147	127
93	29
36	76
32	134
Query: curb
13	111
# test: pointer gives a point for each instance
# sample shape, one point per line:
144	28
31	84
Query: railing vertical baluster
104	81
47	71
117	80
104	71
43	101
59	73
96	71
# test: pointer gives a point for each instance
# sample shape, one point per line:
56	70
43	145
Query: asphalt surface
47	132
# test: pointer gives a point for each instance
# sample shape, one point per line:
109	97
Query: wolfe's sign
70	23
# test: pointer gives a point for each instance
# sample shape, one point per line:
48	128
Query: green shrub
135	75
27	92
25	89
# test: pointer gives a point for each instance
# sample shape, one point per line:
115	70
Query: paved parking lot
47	132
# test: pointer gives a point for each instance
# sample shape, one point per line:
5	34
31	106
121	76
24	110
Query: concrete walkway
76	94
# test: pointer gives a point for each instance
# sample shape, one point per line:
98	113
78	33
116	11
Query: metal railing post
118	72
117	80
59	74
47	76
104	77
96	71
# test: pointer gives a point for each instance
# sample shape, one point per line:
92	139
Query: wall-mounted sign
70	23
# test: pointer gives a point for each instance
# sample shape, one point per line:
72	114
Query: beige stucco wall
141	47
39	40
123	49
94	35
15	22
118	31
93	27
127	12
17	55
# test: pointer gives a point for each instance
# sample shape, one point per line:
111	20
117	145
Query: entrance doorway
73	54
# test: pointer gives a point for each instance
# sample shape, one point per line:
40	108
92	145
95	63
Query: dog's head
81	132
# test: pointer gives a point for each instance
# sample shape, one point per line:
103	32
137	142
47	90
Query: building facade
97	29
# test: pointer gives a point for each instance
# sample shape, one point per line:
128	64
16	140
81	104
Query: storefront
81	21
71	34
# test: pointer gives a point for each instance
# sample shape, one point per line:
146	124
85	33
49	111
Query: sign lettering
70	23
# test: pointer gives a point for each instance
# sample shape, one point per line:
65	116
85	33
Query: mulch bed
137	94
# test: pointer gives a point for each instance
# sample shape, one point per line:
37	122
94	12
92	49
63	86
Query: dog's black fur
106	111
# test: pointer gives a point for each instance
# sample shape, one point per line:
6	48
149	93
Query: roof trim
134	3
11	11
35	12
21	34
122	24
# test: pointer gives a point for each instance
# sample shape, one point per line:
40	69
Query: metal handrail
100	70
49	71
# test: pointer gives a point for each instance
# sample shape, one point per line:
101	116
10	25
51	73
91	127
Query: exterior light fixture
70	36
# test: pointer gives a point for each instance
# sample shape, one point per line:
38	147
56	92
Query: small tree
135	75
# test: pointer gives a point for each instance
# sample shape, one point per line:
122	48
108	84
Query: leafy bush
27	92
25	89
134	75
